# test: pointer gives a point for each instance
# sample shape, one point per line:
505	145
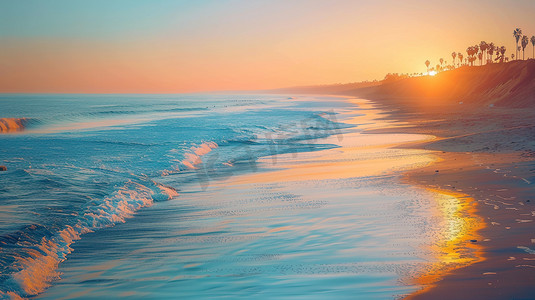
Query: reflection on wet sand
459	243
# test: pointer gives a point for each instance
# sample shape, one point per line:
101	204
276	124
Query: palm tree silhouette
525	42
533	44
491	50
427	63
472	51
441	62
469	53
480	56
460	56
483	46
502	52
517	33
453	54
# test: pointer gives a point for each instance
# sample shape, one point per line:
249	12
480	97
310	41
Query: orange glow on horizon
219	47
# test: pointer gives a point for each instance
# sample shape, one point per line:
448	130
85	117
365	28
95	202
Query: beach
276	149
483	122
488	156
268	195
312	204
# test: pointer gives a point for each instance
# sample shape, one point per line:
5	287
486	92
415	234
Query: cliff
509	84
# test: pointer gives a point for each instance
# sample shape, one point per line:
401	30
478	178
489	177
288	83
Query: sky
177	46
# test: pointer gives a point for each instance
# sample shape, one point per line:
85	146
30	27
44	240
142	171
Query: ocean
209	196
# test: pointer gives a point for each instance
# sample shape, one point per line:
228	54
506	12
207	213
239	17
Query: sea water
110	196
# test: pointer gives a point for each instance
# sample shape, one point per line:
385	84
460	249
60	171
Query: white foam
38	268
193	157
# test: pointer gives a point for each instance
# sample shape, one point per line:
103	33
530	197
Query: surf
8	125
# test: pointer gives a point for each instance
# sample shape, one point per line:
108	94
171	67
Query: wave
105	113
30	257
11	125
192	158
32	262
8	125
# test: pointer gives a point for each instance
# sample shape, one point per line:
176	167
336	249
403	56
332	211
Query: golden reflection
458	244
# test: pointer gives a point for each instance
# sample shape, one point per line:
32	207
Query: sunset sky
166	46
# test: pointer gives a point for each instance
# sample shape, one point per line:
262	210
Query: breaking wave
30	257
93	180
192	157
8	125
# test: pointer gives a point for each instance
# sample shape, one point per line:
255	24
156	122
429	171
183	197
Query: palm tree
469	53
533	44
460	56
491	48
441	62
502	52
427	63
525	42
483	46
453	54
480	56
517	33
472	51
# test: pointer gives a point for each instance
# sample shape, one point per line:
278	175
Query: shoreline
465	248
487	155
427	277
483	179
250	226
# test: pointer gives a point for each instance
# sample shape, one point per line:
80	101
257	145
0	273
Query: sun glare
432	73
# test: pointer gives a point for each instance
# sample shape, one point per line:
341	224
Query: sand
489	156
487	152
497	183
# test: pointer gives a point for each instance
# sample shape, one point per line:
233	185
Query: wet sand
507	267
488	154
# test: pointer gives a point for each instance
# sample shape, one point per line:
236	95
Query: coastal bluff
510	84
